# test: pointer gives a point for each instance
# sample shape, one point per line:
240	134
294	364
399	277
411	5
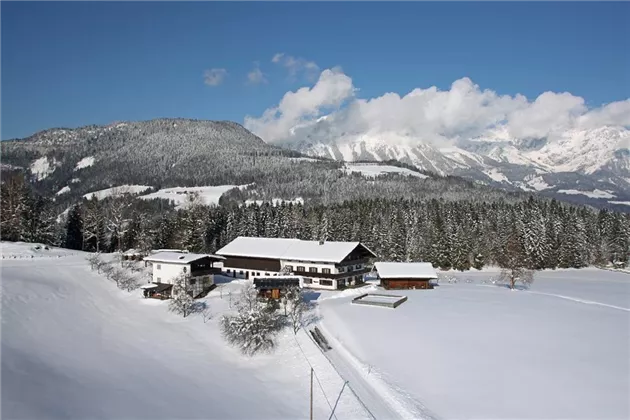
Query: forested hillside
458	234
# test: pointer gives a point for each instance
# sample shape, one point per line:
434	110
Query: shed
403	275
274	286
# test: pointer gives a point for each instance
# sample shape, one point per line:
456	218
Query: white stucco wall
166	272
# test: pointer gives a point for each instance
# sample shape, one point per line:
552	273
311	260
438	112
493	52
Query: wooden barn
400	275
274	287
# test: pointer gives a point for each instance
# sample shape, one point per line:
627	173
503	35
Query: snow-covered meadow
75	346
473	349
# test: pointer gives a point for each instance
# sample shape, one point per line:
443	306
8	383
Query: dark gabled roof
276	282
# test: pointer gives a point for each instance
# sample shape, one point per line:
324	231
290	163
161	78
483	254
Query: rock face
578	160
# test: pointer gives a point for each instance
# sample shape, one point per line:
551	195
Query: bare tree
297	307
513	275
182	302
248	298
94	222
117	223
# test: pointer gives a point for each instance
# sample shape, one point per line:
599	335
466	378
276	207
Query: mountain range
591	165
587	167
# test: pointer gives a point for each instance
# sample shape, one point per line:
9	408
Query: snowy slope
116	191
75	346
599	155
560	350
179	195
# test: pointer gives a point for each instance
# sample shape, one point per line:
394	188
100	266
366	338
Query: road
383	402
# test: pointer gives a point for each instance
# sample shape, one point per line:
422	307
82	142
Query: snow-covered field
178	195
472	350
75	347
117	191
591	194
373	170
86	162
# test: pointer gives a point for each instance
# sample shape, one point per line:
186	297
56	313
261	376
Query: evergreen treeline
449	234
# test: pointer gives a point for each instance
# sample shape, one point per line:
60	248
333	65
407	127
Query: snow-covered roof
290	249
179	257
404	270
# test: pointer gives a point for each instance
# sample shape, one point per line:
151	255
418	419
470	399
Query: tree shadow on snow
311	296
516	287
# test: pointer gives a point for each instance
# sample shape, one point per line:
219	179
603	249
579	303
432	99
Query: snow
117	191
405	270
178	257
496	175
42	167
75	180
24	250
178	195
75	346
538	184
84	163
592	194
64	190
473	350
625	203
288	249
373	170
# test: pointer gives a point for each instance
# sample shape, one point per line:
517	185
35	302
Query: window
159	279
299	268
258	273
159	266
325	270
266	274
312	269
357	267
326	282
288	267
240	272
193	281
308	281
228	270
342	269
185	269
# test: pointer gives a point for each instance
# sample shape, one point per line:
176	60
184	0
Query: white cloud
214	77
256	76
295	108
438	116
296	65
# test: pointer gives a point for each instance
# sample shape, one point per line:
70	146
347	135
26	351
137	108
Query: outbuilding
403	275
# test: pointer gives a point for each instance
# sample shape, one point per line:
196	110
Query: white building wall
166	273
294	264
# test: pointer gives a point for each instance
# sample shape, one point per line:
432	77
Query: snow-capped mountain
576	160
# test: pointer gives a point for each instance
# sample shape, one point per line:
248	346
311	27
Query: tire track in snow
578	300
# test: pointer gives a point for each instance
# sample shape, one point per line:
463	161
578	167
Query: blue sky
72	64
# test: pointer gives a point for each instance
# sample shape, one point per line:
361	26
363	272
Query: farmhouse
400	275
198	269
324	265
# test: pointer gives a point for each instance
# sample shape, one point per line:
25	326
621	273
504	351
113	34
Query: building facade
323	265
197	269
401	275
